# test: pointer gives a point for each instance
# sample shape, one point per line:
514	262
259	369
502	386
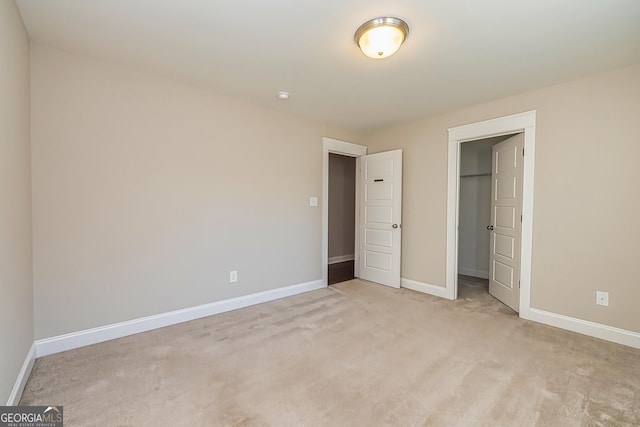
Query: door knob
489	227
394	226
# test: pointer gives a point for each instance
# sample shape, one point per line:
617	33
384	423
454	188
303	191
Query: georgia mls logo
52	408
31	416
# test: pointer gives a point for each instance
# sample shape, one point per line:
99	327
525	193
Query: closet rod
475	174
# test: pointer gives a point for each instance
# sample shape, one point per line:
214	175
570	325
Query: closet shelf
473	175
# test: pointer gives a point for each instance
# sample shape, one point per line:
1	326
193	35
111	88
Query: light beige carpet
354	354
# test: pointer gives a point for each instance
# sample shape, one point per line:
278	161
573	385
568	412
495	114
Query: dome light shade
381	37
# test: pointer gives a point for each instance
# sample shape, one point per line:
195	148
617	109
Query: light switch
313	201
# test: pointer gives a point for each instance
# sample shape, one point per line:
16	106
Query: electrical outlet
233	276
602	298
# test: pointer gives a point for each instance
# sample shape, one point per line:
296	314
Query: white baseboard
483	274
608	333
425	288
23	376
341	258
47	346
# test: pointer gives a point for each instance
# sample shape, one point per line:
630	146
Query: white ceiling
458	53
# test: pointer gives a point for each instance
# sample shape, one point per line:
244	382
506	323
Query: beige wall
587	204
16	292
147	193
342	205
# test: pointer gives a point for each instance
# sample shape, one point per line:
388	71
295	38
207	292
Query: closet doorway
524	123
490	215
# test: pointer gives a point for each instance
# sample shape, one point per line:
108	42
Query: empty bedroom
319	213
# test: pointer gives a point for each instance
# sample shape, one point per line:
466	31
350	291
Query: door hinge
518	284
520	218
523	152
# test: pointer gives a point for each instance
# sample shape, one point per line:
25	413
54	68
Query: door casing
522	122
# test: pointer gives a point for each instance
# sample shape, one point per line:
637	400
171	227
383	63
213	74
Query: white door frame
335	146
522	122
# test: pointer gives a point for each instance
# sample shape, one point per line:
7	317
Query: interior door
506	211
380	217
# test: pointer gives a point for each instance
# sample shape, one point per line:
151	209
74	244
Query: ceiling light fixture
381	37
283	95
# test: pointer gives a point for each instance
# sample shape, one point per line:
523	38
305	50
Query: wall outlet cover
602	298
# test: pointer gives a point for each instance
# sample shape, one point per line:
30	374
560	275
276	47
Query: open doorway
333	146
378	205
342	218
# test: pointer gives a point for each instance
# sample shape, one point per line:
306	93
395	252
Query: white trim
23	376
425	288
526	248
47	346
453	190
342	147
356	219
609	333
341	258
335	146
483	274
494	127
522	122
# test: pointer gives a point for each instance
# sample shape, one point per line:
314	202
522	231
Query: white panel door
380	217
506	211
